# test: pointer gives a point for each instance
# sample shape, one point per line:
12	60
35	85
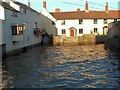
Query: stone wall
77	40
87	39
63	40
113	38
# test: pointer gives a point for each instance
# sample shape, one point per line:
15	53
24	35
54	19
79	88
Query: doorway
105	30
71	32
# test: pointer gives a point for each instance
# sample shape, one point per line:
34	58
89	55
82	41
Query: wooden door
71	32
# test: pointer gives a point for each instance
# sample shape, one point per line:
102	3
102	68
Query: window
105	21
63	22
17	30
95	21
80	21
63	31
115	20
53	23
3	48
80	31
26	25
35	25
14	14
95	30
25	11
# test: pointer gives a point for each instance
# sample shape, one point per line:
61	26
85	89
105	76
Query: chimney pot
86	7
78	9
26	2
44	4
57	10
106	7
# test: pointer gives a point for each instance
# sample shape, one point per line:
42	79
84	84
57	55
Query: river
84	66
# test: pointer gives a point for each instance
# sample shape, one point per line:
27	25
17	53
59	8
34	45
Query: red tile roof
112	14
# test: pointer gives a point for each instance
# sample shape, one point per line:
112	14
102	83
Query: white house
78	23
20	25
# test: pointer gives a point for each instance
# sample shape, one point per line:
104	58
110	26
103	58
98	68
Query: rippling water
88	66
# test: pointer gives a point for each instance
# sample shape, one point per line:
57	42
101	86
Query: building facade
78	23
21	26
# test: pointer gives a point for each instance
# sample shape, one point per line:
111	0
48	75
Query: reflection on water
88	66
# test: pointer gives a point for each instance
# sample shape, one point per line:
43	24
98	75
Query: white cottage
78	23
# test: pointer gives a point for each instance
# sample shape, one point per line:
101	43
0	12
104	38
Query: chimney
78	9
106	7
27	2
57	10
86	7
44	4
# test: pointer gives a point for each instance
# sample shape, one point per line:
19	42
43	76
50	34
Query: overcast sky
72	5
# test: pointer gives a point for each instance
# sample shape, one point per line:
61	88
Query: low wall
77	40
63	40
87	39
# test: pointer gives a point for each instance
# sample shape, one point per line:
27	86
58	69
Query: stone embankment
78	40
113	37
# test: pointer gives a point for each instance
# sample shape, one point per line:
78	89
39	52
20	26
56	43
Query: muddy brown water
85	66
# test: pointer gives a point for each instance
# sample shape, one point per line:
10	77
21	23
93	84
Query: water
88	66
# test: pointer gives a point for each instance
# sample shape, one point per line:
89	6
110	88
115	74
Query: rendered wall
87	26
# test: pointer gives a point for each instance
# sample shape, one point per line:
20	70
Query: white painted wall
2	15
87	26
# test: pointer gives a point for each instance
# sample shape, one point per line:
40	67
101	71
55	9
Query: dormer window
63	22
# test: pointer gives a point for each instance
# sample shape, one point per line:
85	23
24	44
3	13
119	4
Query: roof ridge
84	11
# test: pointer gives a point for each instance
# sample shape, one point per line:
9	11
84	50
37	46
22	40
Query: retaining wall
77	40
